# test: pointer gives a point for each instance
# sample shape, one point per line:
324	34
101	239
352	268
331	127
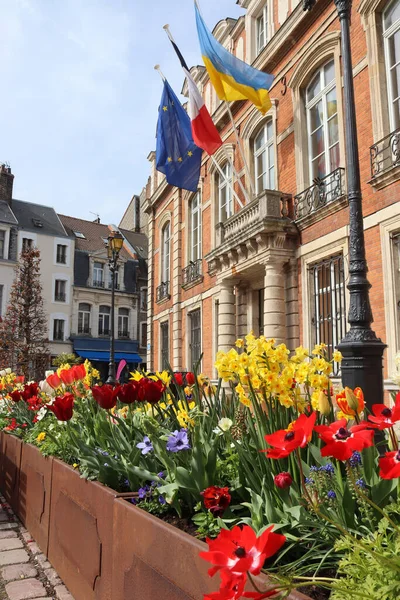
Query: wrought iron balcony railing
124	334
323	191
98	284
60	297
385	154
192	272
116	285
104	332
83	330
162	291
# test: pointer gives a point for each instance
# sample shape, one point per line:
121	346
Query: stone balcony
265	222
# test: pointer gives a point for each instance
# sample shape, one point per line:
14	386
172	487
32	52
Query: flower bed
281	474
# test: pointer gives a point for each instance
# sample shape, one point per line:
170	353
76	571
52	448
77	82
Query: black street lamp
362	350
114	245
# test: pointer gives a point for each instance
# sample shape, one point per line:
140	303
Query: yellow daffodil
337	356
239	343
41	437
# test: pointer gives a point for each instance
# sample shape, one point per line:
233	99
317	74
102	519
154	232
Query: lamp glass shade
115	242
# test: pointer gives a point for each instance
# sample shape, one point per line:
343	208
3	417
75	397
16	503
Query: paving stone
52	576
42	560
27	536
10	544
63	593
8	533
12	525
18	572
24	590
3	516
13	557
34	548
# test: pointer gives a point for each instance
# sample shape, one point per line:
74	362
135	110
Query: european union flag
177	156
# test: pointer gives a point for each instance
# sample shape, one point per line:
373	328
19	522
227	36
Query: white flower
47	373
8	371
46	388
224	425
41	413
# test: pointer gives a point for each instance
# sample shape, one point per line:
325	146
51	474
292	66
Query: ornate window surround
253	12
387	229
220	157
327	47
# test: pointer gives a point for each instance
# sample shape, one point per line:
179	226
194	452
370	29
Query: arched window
84	318
322	123
104	320
264	162
225	200
195	228
123	322
165	252
391	34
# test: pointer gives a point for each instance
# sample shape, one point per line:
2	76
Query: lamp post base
362	366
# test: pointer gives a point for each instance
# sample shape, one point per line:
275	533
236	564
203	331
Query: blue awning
130	357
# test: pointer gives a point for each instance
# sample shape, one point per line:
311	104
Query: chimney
6	184
136	208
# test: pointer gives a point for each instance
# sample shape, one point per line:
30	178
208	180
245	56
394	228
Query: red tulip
216	499
283	480
16	396
105	395
128	393
54	381
240	550
342	442
150	391
190	378
79	372
179	378
62	407
30	390
390	465
286	441
67	376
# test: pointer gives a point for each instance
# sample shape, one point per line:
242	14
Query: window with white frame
165	252
164	330
27	244
143	335
60	290
264	162
391	35
98	274
262	30
84	311
58	329
2	243
104	320
195	228
61	257
143	299
396	276
328	303
225	199
195	337
322	123
123	322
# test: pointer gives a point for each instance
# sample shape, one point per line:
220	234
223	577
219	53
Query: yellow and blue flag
177	156
232	78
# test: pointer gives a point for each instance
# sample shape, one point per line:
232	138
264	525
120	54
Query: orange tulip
350	401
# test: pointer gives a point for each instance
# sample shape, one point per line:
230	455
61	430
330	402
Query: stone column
176	287
292	304
243	296
274	300
226	317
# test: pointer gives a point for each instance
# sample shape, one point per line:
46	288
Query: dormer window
37	222
2	243
79	234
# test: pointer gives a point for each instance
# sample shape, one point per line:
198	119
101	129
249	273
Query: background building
279	264
90	328
25	224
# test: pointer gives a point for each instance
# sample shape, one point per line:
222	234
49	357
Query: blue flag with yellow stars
177	156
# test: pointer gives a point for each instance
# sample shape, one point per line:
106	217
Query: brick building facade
279	264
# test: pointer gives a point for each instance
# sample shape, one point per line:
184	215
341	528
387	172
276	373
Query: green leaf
184	480
349	507
382	491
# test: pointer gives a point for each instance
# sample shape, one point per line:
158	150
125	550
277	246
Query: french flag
205	134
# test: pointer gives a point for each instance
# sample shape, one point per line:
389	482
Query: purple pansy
146	446
178	440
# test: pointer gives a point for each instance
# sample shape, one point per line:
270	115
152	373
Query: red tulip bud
283	480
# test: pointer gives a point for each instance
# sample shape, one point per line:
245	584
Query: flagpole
230	161
246	166
158	68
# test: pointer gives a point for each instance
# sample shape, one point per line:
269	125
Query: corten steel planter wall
35	482
10	468
153	560
81	533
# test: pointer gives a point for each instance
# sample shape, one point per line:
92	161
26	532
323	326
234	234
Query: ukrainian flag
232	78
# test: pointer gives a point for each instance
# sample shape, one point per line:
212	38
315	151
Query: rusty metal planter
81	534
152	560
10	468
35	482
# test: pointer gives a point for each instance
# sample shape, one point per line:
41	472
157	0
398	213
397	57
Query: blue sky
79	95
